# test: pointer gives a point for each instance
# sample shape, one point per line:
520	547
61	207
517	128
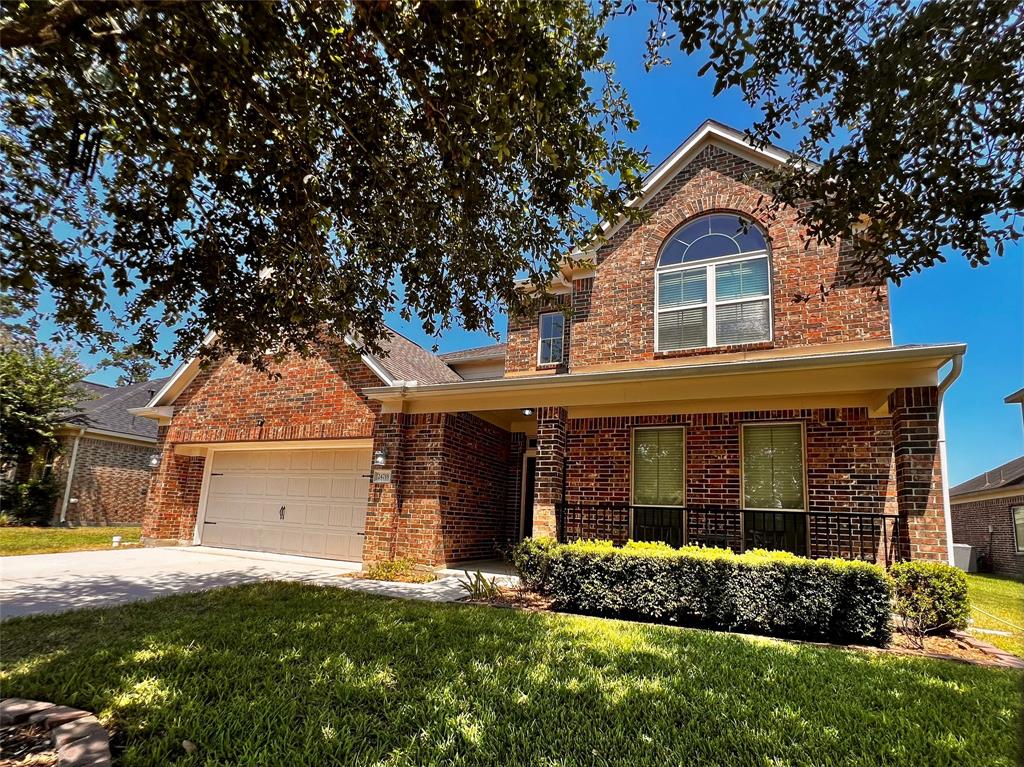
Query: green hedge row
773	593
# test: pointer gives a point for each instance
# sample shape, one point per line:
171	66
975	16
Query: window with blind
1018	528
773	467
712	286
552	335
658	461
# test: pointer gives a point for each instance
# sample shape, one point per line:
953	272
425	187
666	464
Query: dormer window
552	334
712	285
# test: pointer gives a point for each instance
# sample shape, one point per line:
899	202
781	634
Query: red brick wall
110	482
849	463
613	315
314	398
523	336
449	497
971	521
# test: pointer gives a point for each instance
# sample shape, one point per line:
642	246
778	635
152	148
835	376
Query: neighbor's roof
1010	474
1016	397
478	353
408	361
106	408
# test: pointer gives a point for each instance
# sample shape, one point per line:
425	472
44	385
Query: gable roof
476	354
105	408
1010	474
710	132
408	361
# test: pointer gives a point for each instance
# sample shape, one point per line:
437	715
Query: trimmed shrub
774	593
531	559
931	596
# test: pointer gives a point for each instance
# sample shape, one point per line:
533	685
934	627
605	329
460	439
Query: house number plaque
382	476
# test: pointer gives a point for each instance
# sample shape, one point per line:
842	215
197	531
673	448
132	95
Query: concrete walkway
53	583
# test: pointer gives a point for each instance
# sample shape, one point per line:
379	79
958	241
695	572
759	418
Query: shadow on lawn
293	675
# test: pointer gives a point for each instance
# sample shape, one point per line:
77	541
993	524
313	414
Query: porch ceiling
847	379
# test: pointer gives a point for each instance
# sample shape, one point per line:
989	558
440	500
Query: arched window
712	285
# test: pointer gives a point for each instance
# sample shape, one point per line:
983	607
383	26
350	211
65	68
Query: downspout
71	476
951	376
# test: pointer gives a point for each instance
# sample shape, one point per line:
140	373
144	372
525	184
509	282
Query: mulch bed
957	647
26	746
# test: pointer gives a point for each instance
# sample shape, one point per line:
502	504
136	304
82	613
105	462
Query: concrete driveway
51	583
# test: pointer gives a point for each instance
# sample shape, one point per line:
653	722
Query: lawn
291	674
1003	598
48	540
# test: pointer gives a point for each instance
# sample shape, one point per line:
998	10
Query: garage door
308	502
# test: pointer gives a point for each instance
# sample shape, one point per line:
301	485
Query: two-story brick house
713	376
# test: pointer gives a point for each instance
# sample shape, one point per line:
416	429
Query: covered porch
824	455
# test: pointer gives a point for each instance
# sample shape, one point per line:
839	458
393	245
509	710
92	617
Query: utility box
965	557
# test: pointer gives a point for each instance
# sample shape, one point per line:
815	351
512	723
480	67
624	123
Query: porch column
550	478
915	438
383	504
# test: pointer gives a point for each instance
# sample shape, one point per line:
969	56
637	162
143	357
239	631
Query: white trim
632	454
211	337
540	338
71	477
112	436
1018	545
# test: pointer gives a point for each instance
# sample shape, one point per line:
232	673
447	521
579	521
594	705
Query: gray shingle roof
408	361
106	408
491	352
1010	474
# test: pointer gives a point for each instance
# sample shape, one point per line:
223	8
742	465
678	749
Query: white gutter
954	373
71	476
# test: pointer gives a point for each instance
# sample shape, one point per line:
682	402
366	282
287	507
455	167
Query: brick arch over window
613	321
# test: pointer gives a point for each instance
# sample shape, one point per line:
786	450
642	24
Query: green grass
290	674
1002	597
48	540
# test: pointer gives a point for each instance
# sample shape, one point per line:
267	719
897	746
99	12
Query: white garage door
308	502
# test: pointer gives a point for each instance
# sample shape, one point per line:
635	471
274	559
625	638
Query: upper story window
552	334
712	285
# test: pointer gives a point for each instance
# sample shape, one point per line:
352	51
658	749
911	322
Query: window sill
706	350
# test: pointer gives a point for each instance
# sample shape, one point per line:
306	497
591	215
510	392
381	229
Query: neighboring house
103	469
988	514
701	382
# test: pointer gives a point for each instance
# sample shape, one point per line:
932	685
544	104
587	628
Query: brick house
708	376
102	468
988	514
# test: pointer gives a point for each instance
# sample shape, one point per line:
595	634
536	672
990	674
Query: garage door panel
324	493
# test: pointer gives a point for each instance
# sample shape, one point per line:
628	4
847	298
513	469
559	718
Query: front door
529	482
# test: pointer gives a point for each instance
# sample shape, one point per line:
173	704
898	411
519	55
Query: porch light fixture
527	411
380	457
154	460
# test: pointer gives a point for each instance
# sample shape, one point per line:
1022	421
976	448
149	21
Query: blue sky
982	307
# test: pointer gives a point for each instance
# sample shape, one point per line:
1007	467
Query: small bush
32	502
531	560
931	597
773	593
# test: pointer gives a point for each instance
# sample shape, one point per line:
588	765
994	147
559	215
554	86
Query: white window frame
710	301
803	459
540	339
1013	524
632	456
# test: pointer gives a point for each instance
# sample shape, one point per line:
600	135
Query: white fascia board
943	352
374	364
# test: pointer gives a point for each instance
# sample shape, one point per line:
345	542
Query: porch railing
868	536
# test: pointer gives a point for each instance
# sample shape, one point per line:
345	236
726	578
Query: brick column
173	500
915	438
383	503
551	454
